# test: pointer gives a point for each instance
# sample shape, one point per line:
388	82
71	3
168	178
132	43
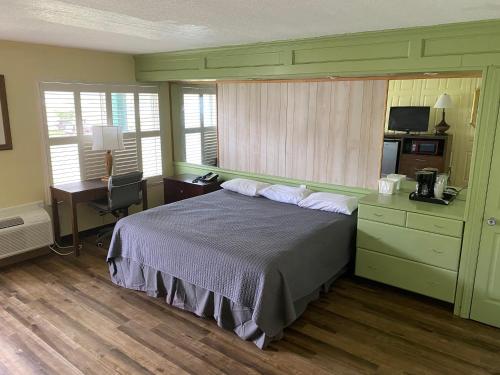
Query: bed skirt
202	302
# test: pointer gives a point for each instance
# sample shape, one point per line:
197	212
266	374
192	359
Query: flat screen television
409	119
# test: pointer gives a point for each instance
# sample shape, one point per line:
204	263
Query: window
71	110
199	119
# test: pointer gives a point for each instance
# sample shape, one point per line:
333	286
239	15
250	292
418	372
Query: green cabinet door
486	298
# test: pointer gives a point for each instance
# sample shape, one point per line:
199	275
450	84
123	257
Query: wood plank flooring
64	316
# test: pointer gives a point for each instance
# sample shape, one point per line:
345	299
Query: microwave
426	147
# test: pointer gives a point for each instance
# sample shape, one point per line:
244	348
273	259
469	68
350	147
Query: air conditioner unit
35	231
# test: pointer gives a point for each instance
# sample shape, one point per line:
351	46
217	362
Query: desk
81	192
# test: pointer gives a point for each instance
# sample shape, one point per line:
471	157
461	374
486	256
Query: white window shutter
71	110
93	109
210	146
149	111
60	113
199	112
126	160
93	113
209	129
65	163
149	125
151	156
93	162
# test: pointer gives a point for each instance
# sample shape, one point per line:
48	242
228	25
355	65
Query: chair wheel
99	244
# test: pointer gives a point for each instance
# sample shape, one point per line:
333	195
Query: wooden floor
63	316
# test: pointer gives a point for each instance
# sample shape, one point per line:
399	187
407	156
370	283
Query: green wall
465	46
447	48
225	174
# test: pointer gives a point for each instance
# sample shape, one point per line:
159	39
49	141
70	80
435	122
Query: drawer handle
372	268
181	191
438	251
439	226
378	215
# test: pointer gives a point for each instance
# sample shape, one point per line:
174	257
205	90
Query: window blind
65	163
199	117
151	149
71	110
60	113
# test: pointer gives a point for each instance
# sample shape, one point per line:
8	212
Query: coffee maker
425	183
432	187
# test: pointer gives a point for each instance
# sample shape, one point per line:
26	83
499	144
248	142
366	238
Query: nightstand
181	187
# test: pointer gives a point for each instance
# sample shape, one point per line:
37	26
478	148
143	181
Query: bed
250	263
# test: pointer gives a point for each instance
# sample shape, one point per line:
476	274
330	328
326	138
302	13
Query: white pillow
244	186
342	204
285	194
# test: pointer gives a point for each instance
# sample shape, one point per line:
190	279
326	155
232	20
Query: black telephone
209	177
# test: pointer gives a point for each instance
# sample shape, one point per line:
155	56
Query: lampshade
107	138
444	101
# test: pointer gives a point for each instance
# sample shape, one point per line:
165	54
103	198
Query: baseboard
4	262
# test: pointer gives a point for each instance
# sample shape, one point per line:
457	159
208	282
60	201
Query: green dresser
411	245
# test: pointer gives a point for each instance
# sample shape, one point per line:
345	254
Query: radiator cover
35	233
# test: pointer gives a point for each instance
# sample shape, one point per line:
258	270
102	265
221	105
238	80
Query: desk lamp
108	138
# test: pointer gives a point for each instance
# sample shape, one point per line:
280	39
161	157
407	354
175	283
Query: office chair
123	191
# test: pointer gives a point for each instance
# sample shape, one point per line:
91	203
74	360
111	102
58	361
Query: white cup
386	186
439	189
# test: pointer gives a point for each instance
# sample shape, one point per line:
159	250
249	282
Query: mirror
5	138
431	123
194	120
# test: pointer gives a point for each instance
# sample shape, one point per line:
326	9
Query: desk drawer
382	215
427	280
423	247
435	224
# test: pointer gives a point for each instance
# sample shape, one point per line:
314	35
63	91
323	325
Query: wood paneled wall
330	132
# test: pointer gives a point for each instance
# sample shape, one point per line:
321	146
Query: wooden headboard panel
327	132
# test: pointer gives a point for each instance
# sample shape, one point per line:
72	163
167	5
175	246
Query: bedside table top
188	179
400	201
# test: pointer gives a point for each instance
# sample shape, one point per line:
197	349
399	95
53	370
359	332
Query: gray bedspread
256	252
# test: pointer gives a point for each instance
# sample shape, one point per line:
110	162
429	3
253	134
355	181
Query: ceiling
142	26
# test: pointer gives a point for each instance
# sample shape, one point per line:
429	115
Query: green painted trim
488	112
226	174
455	47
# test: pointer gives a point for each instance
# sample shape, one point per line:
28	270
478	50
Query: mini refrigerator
390	156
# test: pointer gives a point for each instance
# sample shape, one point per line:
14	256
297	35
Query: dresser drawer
382	215
423	247
427	280
434	224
